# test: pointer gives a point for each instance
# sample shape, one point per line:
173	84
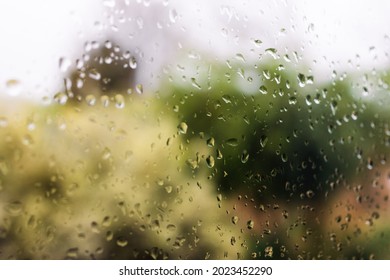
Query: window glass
194	130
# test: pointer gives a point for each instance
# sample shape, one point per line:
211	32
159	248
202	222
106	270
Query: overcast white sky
36	34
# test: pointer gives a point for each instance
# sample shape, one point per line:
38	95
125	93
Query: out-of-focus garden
224	160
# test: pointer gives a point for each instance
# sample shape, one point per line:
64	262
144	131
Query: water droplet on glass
119	101
250	224
61	98
263	140
210	142
257	42
195	83
105	100
64	64
272	52
171	227
292	100
263	89
14	208
210	161
72	253
244	156
240	57
182	128
226	98
173	15
232	142
94	74
90	99
139	88
266	74
235	220
268	251
121	241
106	153
132	63
308	100
301	80
219	197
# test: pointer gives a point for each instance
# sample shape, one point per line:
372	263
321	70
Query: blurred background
194	130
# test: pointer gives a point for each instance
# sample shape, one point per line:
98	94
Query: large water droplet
232	142
121	241
61	98
90	99
183	127
119	101
132	63
210	161
173	15
263	89
250	224
244	156
263	141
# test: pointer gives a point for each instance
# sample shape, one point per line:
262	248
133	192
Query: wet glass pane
194	130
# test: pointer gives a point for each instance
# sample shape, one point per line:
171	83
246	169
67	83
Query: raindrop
250	224
168	189
266	74
263	89
272	52
239	56
94	74
301	80
244	156
308	100
235	220
219	197
195	83
14	208
226	98
173	15
219	154
72	253
139	89
292	100
121	241
132	63
210	142
90	99
268	251
232	142
263	141
182	128
210	161
61	98
171	227
257	42
106	153
105	100
119	101
310	194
